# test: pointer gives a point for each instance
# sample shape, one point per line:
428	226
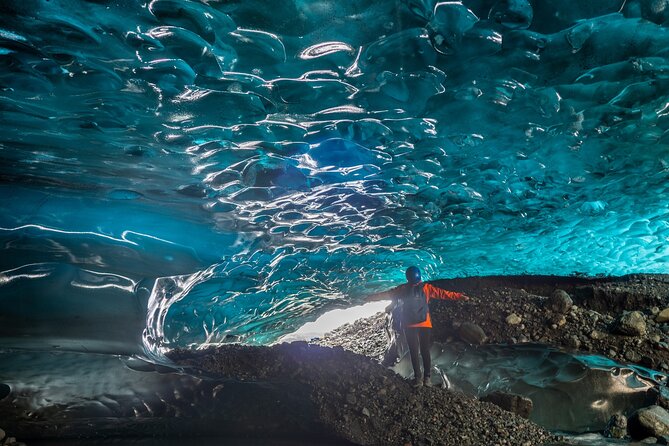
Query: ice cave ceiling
241	166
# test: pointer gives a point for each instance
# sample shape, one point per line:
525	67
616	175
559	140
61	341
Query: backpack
414	305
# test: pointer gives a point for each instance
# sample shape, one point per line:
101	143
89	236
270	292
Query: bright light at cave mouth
334	319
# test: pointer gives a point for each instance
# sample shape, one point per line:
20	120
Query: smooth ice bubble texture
182	172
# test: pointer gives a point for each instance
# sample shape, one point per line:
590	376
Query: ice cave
190	187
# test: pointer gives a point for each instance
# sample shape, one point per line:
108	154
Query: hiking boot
418	382
427	381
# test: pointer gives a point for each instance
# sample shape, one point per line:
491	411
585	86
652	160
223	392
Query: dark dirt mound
365	403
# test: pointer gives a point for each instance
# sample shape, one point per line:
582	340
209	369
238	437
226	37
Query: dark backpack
414	305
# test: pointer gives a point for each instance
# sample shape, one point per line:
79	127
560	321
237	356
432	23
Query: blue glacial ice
181	172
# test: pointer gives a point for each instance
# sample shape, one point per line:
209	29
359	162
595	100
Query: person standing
413	298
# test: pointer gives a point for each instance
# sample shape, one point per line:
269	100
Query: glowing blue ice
254	166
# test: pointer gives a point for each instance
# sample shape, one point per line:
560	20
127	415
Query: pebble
595	334
662	316
513	319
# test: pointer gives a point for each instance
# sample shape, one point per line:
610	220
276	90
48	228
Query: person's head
413	275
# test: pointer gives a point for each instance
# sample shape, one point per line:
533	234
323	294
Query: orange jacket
431	292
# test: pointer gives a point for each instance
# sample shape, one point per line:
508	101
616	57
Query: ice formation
180	172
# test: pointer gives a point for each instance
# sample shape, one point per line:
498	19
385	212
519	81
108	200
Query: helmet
413	274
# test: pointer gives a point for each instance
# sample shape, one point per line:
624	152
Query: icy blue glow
238	169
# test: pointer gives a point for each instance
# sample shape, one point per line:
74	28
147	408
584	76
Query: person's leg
411	335
425	339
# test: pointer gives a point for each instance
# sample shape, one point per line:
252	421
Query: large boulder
630	324
511	402
650	421
471	333
559	302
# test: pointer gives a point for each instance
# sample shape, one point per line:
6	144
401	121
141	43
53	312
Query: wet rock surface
361	401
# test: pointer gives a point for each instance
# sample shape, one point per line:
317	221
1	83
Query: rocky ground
625	319
357	399
619	318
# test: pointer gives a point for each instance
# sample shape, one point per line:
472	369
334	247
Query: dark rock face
361	401
517	404
650	421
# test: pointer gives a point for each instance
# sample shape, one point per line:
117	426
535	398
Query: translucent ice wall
226	170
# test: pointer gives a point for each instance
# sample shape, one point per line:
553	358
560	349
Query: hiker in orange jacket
414	297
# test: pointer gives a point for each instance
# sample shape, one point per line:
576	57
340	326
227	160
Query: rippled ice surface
237	167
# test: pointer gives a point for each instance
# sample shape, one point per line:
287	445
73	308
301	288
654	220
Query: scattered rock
617	426
513	319
650	421
632	356
2	435
559	302
511	402
663	316
597	335
471	333
630	324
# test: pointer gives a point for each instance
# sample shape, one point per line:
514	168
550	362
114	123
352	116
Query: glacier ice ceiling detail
237	168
